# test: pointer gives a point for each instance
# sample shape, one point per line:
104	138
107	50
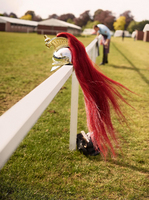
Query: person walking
105	32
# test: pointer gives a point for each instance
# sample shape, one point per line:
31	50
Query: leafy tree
30	12
70	21
137	25
96	14
82	19
27	17
104	17
120	23
140	25
132	26
37	18
5	14
65	17
109	22
30	15
13	15
90	24
55	16
78	22
127	14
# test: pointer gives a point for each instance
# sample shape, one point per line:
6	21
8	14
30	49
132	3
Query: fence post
74	112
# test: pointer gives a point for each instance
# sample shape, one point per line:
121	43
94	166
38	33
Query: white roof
18	21
56	22
146	28
2	21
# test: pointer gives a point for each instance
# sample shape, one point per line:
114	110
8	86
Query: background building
10	24
54	26
118	33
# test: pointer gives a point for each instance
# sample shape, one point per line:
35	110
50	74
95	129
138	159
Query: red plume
100	92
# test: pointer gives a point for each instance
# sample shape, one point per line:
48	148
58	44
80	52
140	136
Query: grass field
43	167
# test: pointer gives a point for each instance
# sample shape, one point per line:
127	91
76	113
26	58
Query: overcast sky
44	8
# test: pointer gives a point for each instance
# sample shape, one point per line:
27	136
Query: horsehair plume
100	92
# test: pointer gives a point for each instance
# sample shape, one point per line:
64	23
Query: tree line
85	20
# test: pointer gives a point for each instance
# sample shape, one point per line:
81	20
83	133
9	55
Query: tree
5	14
70	21
104	17
13	15
140	25
127	14
132	26
137	25
109	22
65	17
37	18
30	15
78	22
96	14
120	23
55	16
82	19
30	12
90	24
27	17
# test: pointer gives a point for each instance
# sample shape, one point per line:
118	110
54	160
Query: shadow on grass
119	163
127	165
130	68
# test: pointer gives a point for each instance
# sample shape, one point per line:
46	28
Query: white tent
133	35
88	31
111	33
146	28
118	33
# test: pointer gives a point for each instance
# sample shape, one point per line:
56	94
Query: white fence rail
20	118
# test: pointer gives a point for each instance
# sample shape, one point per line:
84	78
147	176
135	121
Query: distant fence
20	118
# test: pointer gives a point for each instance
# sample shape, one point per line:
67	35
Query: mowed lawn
43	167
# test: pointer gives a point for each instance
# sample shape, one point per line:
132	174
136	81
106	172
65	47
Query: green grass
43	167
25	62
